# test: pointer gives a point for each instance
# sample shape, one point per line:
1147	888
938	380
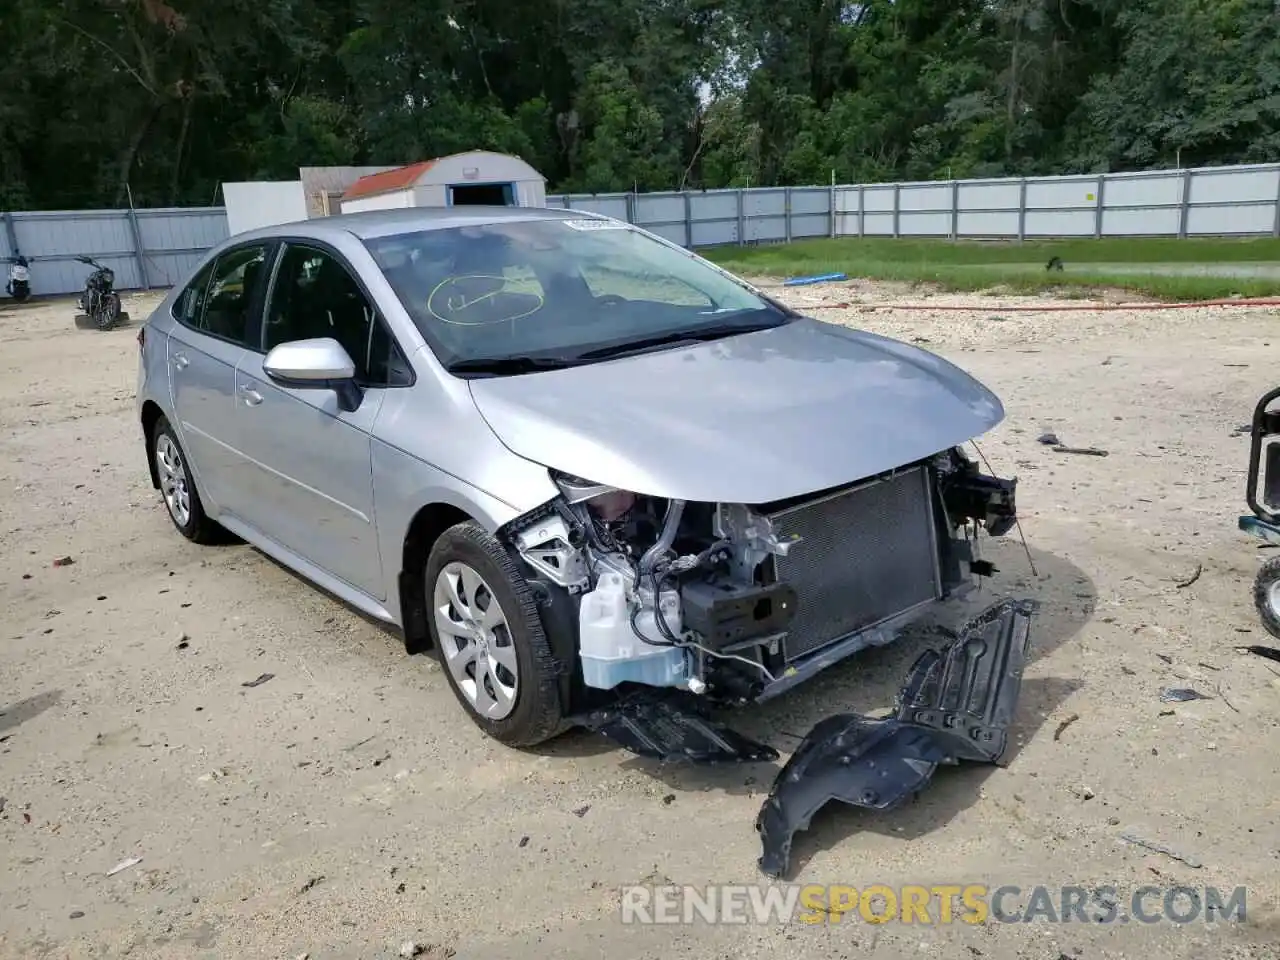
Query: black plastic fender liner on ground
673	728
956	705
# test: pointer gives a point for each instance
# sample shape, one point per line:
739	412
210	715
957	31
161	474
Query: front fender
403	485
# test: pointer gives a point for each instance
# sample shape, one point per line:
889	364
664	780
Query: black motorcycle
100	302
19	285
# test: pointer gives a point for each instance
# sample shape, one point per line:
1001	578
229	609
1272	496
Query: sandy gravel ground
346	806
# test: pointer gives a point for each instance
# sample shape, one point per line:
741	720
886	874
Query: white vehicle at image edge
606	483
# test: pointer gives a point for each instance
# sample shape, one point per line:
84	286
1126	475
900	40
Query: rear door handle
250	396
180	361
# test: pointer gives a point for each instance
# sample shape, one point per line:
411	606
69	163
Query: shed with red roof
477	177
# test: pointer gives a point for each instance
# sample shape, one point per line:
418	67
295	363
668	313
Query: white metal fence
1212	201
151	248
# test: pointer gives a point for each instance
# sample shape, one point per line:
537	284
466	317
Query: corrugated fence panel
877	210
807	201
1235	185
987	224
988	208
1061	207
663	214
714	217
176	240
1142	205
764	215
848	207
1146	190
1226	221
810	212
878	198
924	210
914	224
925	198
1061	193
979	196
1233	200
158	247
1058	223
1140	222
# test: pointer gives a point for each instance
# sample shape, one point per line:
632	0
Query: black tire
1263	584
537	715
108	312
197	528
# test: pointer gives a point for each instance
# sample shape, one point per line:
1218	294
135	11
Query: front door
215	323
314	460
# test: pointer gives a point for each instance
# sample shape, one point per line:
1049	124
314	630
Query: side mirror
318	364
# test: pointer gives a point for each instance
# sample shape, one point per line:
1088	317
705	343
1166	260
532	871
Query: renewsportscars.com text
934	904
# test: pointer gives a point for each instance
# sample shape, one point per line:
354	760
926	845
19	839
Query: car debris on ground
1269	653
1183	584
124	865
1181	695
1192	861
955	706
1062	726
1050	439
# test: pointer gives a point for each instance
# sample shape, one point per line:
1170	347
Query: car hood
752	418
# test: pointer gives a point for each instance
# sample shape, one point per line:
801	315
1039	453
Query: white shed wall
430	195
394	200
264	203
531	193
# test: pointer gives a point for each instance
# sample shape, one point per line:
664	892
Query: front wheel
486	628
108	311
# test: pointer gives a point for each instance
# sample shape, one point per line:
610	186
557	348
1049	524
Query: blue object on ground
1260	529
824	278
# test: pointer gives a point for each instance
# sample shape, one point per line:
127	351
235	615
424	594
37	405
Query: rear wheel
485	625
178	487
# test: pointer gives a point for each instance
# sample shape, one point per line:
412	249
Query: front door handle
250	396
180	361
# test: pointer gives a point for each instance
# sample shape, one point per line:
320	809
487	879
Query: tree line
158	101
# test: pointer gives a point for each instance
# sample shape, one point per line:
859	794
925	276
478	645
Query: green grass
1020	267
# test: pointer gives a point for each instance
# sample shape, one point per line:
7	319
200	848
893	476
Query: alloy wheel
475	640
173	480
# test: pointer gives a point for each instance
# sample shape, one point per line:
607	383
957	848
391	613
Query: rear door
314	460
217	319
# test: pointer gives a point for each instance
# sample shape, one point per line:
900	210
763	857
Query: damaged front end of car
676	608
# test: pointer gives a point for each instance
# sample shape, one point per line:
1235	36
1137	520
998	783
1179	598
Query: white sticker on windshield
596	224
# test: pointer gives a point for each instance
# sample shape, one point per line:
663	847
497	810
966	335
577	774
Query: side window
314	295
228	297
190	303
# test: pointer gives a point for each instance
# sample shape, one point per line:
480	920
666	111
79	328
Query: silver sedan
574	461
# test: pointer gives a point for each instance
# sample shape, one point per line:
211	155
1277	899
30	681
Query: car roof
370	224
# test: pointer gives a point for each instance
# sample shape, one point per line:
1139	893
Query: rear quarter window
190	302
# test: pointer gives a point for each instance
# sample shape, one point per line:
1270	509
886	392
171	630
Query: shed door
482	194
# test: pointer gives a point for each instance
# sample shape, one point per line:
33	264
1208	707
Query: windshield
558	291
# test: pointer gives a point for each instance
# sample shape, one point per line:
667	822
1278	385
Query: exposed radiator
867	554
